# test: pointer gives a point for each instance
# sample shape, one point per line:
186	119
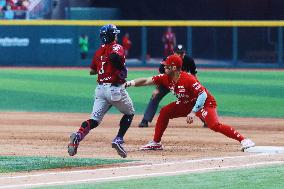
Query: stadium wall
55	42
41	45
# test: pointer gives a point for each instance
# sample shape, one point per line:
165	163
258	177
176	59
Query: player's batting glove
129	83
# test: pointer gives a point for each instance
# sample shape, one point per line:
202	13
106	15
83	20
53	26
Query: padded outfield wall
37	45
41	45
55	42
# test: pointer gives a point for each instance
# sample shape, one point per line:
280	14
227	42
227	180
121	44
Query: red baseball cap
173	60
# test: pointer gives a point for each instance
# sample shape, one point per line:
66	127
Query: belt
111	84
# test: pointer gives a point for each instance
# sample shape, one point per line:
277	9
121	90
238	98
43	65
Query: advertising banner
38	45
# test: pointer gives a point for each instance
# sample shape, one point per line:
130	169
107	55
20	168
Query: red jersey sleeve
94	62
159	79
117	49
195	86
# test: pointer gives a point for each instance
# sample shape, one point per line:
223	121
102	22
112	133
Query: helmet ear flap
104	39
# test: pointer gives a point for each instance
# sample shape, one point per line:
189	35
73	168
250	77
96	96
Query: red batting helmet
173	60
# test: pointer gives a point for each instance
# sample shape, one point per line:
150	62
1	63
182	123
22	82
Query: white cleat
152	145
247	143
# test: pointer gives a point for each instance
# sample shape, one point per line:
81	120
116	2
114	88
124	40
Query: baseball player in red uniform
169	40
109	64
188	65
126	43
193	100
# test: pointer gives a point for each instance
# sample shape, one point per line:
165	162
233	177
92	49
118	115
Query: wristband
132	83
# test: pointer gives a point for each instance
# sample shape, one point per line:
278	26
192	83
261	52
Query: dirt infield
47	134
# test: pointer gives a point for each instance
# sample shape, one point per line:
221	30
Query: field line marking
142	175
135	166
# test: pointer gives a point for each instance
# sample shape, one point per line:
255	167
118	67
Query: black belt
111	84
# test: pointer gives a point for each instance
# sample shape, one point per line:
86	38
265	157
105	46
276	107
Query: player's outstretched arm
139	82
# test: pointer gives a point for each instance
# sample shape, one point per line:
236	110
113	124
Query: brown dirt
47	134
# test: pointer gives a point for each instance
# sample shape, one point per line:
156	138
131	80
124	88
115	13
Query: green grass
238	93
253	178
16	163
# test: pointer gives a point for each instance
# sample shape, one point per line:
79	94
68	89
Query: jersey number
102	68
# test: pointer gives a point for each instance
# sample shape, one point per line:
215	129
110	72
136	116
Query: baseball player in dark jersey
188	65
109	64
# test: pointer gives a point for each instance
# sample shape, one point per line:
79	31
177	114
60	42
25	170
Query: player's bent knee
164	110
215	127
167	113
130	111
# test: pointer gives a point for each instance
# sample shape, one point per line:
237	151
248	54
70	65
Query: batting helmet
108	33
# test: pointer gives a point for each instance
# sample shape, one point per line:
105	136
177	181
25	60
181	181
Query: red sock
84	129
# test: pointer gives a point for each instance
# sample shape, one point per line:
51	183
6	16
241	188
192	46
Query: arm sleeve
158	79
116	61
200	101
93	65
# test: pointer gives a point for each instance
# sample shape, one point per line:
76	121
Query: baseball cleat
152	145
117	144
73	144
247	143
205	125
143	123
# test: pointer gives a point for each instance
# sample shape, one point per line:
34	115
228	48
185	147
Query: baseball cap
173	60
179	49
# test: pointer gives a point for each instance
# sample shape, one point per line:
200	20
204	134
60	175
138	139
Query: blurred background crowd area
146	45
27	9
146	9
14	9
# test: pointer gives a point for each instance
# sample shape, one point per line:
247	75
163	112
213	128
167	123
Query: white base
265	149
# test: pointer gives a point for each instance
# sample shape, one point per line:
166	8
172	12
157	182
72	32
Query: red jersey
186	89
107	73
